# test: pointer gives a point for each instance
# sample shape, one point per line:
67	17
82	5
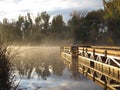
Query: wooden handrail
114	51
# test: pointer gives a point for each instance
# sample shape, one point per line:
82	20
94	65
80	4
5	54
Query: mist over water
42	68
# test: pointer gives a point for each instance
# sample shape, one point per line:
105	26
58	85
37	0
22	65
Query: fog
30	60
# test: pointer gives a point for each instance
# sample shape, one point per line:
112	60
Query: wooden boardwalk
100	64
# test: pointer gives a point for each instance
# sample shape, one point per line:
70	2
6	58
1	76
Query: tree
57	23
94	22
20	26
45	19
9	30
38	21
77	25
112	9
112	18
30	23
58	26
42	21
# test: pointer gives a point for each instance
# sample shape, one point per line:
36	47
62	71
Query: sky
11	9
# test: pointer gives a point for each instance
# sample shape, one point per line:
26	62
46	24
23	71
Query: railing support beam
74	67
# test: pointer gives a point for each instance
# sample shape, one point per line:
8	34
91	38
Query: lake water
41	68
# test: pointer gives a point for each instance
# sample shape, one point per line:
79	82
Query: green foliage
42	21
101	26
45	17
112	10
112	18
58	27
57	24
79	27
94	21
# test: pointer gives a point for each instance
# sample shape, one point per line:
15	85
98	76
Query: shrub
6	74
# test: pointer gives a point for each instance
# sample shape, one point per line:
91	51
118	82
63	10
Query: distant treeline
95	27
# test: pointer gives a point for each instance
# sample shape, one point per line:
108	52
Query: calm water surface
41	68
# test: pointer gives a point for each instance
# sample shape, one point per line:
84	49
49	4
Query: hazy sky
13	8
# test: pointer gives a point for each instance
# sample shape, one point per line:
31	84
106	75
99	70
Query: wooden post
74	51
94	52
106	53
83	53
74	67
86	50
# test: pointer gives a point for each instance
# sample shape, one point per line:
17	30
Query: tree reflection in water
40	62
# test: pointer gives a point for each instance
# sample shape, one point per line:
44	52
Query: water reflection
42	67
39	60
